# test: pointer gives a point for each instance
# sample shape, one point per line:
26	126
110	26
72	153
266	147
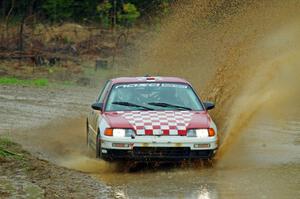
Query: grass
28	82
4	152
5	142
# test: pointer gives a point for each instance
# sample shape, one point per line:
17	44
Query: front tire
87	133
98	146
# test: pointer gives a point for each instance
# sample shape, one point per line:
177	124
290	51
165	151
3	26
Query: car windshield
152	96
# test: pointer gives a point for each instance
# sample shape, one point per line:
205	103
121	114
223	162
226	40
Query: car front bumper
158	148
157	153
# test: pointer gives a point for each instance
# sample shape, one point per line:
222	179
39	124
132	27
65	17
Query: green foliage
5	142
4	152
90	11
103	9
58	9
164	7
129	14
28	82
84	10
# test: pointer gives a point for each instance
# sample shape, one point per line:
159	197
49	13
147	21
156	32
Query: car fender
102	125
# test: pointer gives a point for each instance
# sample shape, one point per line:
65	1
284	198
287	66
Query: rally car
151	118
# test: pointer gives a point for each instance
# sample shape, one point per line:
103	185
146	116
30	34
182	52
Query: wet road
272	182
263	161
26	107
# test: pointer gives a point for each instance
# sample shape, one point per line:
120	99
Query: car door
95	115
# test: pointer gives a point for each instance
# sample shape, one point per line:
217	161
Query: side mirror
209	105
97	106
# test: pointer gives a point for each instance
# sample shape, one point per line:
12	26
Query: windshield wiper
132	105
168	105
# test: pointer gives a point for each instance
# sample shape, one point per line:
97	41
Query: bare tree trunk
7	18
3	8
114	22
21	46
30	7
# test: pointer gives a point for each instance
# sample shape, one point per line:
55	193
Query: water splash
241	54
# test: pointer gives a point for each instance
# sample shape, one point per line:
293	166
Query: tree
122	12
58	9
104	9
128	15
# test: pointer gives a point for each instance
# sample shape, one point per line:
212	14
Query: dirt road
264	163
246	55
23	109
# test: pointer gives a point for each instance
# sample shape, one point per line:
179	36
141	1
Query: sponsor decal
138	85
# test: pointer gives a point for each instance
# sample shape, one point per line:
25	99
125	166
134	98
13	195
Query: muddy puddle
263	163
261	160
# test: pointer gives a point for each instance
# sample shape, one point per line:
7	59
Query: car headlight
119	132
201	133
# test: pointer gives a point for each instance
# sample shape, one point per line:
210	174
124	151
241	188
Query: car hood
158	122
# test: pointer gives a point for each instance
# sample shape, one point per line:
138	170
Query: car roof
148	79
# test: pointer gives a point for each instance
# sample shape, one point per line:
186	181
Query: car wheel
98	146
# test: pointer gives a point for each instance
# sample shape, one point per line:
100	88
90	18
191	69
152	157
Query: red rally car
151	118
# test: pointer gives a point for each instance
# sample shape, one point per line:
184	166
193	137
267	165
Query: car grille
148	153
161	151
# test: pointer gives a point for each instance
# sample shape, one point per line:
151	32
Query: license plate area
161	151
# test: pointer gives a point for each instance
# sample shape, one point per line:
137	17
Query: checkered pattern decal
159	122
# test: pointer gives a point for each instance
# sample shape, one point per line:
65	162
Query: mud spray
243	55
